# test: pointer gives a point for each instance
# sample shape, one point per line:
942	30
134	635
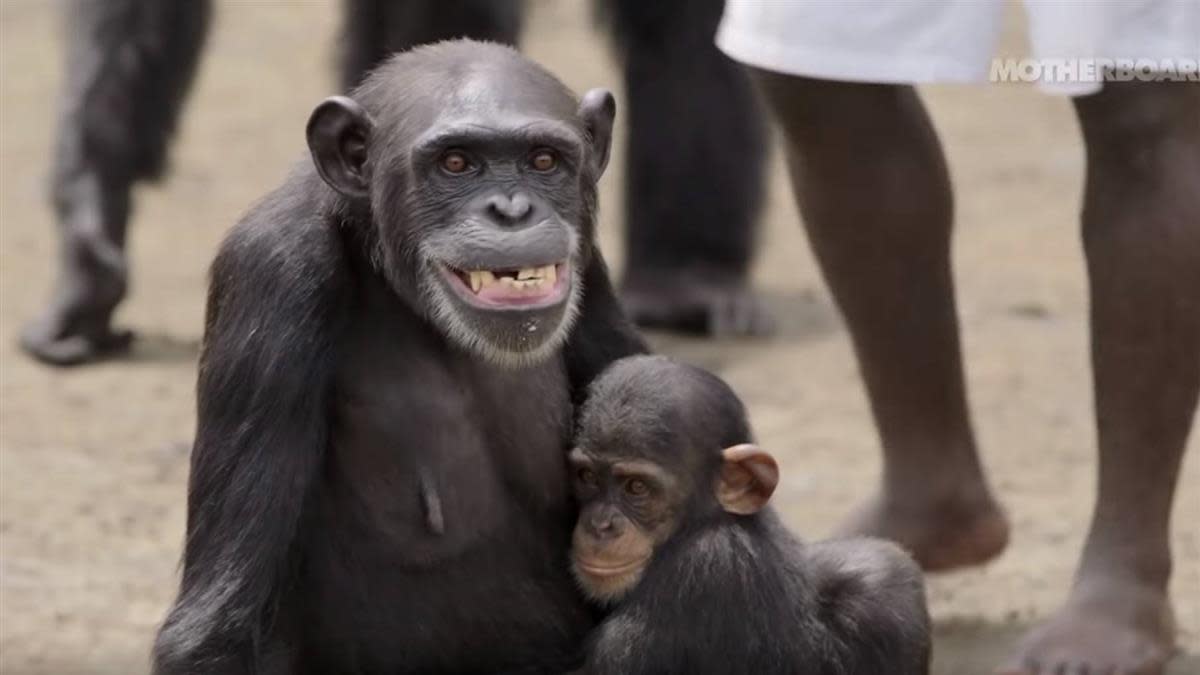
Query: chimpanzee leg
872	185
129	67
372	29
694	173
1141	234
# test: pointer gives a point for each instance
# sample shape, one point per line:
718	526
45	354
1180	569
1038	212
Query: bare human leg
871	182
1141	234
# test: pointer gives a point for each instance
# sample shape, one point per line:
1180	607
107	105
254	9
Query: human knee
1130	123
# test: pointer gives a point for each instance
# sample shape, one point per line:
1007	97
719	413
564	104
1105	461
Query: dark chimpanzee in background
395	341
674	531
696	149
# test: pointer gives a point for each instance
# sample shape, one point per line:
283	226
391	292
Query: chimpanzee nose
603	525
509	208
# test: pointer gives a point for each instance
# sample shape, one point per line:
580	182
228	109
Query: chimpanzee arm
602	333
871	597
274	308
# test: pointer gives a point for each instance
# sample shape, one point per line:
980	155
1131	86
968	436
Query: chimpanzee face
483	199
502	258
630	505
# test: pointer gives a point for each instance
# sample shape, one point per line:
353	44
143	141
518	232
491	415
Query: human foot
697	304
941	534
1107	627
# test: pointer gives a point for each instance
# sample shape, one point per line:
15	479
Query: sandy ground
94	461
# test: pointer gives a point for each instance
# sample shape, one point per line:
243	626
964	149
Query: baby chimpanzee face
650	458
629	507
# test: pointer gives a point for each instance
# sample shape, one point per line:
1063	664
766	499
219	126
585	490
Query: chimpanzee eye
544	160
587	476
636	487
455	162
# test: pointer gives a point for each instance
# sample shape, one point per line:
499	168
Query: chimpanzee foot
940	534
50	342
1108	627
695	305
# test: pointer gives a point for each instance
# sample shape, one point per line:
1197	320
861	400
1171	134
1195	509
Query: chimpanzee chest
440	455
443	522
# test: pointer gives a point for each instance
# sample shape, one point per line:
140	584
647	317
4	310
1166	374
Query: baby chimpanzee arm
872	598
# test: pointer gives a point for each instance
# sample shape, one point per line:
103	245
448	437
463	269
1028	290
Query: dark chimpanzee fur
704	578
393	340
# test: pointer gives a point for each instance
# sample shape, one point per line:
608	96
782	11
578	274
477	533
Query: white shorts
924	41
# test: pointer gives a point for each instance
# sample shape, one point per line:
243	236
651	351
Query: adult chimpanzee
393	340
689	225
673	530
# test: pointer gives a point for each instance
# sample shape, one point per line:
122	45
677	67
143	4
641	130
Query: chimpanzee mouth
519	288
592	569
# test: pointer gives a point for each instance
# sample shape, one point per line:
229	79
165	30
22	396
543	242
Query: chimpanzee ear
598	109
748	479
338	132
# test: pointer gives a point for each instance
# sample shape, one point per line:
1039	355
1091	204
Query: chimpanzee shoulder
277	298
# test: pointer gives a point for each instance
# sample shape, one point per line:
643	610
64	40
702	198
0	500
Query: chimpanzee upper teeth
524	278
481	278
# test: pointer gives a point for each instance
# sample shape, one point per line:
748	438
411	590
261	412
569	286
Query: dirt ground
93	461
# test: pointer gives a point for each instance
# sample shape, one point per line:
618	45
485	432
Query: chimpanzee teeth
481	278
527	278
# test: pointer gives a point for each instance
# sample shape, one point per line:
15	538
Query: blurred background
93	462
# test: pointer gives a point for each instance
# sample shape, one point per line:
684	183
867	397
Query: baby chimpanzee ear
748	479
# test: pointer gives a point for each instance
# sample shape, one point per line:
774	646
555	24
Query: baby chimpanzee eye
636	487
586	476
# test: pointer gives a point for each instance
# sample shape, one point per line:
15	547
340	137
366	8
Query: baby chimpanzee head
658	441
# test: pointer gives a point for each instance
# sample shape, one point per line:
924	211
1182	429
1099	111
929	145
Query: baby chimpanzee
675	535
